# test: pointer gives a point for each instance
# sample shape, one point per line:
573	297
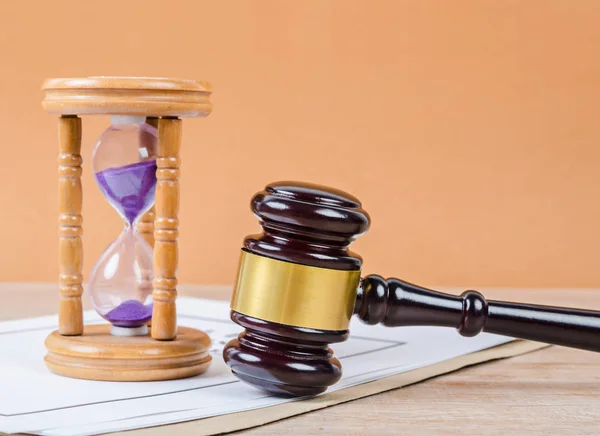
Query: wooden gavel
298	285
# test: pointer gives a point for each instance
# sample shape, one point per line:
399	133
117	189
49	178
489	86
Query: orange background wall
469	129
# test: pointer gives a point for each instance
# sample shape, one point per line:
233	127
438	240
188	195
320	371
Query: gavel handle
394	303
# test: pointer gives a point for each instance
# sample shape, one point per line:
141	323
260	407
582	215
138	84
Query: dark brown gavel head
296	288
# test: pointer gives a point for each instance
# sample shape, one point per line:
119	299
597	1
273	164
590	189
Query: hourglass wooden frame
91	352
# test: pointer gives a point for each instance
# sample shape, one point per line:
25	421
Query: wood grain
145	225
97	355
149	96
70	252
166	230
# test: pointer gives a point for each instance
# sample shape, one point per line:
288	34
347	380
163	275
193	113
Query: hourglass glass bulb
124	165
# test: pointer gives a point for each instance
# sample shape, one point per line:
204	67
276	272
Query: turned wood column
145	225
164	316
70	254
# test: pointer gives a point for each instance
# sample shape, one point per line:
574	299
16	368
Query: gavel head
296	288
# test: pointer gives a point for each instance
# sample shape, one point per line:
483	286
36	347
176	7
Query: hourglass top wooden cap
143	96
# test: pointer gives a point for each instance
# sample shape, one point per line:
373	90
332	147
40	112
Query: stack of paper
33	400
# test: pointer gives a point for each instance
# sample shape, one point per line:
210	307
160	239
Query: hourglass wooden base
97	355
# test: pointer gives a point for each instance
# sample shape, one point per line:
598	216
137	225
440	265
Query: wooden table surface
552	391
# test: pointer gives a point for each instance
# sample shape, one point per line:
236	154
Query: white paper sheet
33	400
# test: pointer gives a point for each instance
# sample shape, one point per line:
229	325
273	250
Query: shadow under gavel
298	285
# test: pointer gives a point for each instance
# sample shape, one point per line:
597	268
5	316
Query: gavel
298	285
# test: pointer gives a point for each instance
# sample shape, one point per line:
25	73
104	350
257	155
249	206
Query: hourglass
132	285
124	166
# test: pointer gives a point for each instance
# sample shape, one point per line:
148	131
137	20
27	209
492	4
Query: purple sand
130	313
130	188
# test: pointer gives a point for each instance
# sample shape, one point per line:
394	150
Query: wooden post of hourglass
70	254
145	227
146	223
164	324
91	352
